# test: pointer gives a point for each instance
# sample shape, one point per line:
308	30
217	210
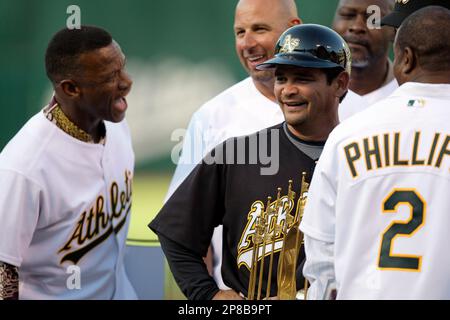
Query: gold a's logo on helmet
402	1
289	44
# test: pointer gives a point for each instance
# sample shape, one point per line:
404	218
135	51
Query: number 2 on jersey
417	205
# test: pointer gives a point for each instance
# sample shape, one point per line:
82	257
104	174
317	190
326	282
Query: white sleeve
319	218
318	224
19	212
319	268
192	153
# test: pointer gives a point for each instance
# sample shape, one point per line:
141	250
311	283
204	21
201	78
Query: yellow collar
56	115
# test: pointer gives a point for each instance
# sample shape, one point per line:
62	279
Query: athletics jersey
380	194
354	106
239	110
64	216
233	194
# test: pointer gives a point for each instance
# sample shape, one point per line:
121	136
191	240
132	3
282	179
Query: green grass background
149	190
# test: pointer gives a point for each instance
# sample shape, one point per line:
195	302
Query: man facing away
376	220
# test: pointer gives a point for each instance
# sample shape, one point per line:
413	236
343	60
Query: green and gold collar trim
56	115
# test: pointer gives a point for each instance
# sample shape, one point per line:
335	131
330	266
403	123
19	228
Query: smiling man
372	75
312	70
245	107
312	66
66	179
249	105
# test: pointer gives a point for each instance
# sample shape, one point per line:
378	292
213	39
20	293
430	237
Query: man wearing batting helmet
232	184
249	105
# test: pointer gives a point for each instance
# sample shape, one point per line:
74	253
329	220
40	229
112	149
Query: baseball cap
403	8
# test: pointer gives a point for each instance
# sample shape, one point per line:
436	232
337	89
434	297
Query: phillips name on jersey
379	195
393	149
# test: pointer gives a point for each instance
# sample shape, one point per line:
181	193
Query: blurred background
180	54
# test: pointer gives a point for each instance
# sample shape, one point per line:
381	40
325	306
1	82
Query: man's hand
227	295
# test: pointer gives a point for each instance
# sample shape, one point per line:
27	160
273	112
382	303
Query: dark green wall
193	29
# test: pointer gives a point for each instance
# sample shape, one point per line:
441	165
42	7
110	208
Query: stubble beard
262	75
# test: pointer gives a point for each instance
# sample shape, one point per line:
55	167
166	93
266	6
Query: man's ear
69	88
341	83
294	22
409	61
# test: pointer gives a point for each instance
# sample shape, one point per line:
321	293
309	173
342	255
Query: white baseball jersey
377	216
346	110
239	110
64	211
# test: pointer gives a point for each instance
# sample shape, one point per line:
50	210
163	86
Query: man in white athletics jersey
66	179
249	105
376	221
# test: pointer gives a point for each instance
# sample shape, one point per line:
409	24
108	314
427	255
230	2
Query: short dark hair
426	33
66	45
331	74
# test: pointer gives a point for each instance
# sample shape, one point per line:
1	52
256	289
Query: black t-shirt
232	194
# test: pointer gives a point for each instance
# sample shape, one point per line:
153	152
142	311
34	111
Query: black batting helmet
310	46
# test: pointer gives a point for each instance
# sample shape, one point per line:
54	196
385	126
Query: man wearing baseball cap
403	8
